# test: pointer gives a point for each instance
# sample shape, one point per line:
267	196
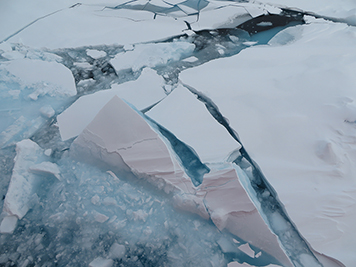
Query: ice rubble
90	205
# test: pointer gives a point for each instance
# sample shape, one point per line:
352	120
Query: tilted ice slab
295	114
185	116
22	181
143	92
122	140
231	208
119	137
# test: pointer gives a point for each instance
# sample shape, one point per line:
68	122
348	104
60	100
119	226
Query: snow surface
8	224
149	86
181	110
52	78
21	189
151	55
129	141
293	113
90	180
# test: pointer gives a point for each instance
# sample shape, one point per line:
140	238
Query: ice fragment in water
117	251
101	262
8	224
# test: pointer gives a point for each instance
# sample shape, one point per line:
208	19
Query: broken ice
121	149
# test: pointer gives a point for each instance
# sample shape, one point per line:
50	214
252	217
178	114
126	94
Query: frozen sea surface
177	133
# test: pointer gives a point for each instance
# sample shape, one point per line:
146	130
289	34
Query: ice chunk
96	53
48	152
140	215
231	208
46	167
142	93
226	245
8	224
117	251
121	138
227	16
47	111
22	182
50	78
194	119
95	200
109	201
152	55
247	249
255	11
99	217
14	129
236	264
191	59
275	115
89	25
101	262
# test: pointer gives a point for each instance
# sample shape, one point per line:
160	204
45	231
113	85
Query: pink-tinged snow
123	140
294	109
142	93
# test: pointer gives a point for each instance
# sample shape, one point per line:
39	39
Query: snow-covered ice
181	110
50	77
292	112
151	55
131	130
8	224
149	86
18	197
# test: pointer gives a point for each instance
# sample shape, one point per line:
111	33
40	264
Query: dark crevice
40	18
186	154
270	21
265	193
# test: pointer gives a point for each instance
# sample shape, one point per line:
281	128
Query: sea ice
292	102
182	106
152	55
284	105
131	144
22	183
96	53
46	167
149	86
117	251
50	78
101	262
8	224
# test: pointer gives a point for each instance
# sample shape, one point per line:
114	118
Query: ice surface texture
122	149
